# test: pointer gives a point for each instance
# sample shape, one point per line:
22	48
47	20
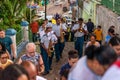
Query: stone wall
106	18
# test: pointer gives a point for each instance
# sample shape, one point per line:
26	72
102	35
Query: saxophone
61	34
50	48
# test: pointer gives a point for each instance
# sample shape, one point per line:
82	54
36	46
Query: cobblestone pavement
54	73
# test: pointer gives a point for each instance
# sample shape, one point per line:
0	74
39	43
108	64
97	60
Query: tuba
62	33
50	48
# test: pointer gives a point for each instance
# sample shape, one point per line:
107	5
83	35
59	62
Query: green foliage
11	11
17	27
40	21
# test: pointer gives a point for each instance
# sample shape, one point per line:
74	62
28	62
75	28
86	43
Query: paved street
54	73
52	9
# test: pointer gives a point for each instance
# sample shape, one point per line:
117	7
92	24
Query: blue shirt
7	41
64	67
107	38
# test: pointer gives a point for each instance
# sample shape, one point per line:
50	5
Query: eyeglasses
4	57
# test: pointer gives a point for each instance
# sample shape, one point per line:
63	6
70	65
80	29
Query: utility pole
45	8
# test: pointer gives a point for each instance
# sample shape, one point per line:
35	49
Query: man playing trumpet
80	30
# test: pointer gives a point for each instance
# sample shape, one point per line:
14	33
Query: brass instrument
50	48
80	29
62	33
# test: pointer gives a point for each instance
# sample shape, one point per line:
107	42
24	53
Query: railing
19	37
114	5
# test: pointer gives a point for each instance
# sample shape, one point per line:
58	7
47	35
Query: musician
53	39
59	29
47	39
44	48
80	30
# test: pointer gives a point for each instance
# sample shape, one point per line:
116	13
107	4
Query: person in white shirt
59	29
113	73
79	30
44	49
53	39
94	64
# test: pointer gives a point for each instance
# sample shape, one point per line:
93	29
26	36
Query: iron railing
19	37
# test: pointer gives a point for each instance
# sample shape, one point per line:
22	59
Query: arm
41	65
13	50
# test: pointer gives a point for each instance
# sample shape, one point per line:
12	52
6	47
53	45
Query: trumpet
80	29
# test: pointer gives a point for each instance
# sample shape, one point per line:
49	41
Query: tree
12	11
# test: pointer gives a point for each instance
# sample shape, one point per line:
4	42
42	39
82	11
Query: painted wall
106	18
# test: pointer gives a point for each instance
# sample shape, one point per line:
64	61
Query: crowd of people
99	61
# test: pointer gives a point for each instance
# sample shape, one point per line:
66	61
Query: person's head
46	20
104	57
30	68
2	33
89	52
115	43
2	47
72	57
112	27
111	32
92	38
48	27
64	75
14	72
58	21
31	49
99	27
3	57
80	20
89	20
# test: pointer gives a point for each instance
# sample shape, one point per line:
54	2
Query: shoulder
40	78
10	61
65	66
24	56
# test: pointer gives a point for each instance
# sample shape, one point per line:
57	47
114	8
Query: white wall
106	18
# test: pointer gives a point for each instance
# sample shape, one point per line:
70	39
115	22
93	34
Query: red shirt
34	27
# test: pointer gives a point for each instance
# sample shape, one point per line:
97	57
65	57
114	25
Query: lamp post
45	8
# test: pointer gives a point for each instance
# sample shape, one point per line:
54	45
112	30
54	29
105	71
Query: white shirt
113	73
56	29
52	37
45	40
79	34
82	72
40	78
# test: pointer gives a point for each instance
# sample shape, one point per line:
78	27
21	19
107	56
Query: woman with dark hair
115	43
14	72
3	48
93	41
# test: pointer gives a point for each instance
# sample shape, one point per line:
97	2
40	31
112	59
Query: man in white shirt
80	29
95	63
113	73
58	30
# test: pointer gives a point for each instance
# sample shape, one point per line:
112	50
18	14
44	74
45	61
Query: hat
49	25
